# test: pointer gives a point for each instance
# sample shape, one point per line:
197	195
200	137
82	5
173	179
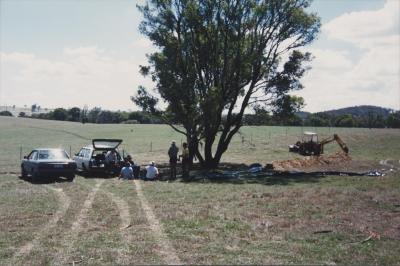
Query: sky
65	53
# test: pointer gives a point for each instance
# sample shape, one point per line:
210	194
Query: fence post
70	151
20	152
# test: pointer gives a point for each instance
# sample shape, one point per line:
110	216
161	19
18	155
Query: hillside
360	111
357	111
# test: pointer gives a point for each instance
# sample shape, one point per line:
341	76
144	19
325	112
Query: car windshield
52	154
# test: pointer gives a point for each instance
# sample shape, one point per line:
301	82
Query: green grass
151	142
270	220
258	224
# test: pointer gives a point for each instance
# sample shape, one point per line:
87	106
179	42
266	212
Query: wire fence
251	144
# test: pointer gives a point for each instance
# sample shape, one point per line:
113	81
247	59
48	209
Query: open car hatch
106	144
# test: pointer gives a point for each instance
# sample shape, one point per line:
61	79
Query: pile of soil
322	162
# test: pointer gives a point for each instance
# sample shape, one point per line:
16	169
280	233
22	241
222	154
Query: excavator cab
309	136
310	144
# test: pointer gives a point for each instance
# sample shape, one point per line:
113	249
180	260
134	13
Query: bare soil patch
339	162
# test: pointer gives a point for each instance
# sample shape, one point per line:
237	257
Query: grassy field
151	142
273	220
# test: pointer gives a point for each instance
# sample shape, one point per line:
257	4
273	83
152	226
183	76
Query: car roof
49	149
91	147
309	133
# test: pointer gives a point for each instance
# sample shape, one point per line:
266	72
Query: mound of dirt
322	162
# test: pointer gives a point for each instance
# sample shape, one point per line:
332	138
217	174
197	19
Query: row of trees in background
258	118
322	119
96	115
370	120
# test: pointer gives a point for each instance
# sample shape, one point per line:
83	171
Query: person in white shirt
151	171
111	157
126	172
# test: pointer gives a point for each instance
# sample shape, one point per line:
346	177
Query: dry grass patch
326	221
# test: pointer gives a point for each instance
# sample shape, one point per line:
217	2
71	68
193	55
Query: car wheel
23	172
84	169
70	178
35	175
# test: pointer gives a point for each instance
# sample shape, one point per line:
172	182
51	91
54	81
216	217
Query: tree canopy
217	58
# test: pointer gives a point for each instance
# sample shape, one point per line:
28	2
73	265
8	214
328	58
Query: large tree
217	58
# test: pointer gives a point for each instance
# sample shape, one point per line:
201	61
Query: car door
87	155
78	158
31	162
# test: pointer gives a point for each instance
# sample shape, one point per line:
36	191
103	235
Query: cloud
366	29
82	75
340	79
143	43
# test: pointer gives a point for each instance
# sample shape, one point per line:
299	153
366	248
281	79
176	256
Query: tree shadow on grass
96	175
262	179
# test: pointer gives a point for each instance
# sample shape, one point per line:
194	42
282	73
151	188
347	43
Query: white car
93	158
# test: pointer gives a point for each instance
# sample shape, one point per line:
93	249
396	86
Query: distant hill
357	111
360	111
356	116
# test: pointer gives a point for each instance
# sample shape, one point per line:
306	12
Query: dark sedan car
48	163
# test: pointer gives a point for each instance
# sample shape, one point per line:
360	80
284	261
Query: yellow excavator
310	145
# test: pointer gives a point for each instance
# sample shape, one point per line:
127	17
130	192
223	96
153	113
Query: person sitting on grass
126	172
151	172
136	168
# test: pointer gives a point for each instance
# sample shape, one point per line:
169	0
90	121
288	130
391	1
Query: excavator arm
336	138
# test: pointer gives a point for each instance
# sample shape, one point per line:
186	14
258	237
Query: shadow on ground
44	180
257	174
261	178
241	174
96	175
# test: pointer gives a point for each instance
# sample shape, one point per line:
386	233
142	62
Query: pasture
273	220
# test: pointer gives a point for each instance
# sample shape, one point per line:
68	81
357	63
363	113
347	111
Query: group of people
129	170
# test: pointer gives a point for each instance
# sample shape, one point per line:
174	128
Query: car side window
81	153
33	155
87	153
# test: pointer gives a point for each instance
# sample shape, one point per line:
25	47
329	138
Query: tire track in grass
166	251
123	209
62	256
65	202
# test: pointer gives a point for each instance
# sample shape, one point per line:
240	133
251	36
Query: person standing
185	161
173	159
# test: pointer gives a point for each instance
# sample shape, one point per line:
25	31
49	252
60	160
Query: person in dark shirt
173	159
185	161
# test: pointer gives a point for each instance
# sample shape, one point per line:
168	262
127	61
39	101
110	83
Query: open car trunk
106	144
